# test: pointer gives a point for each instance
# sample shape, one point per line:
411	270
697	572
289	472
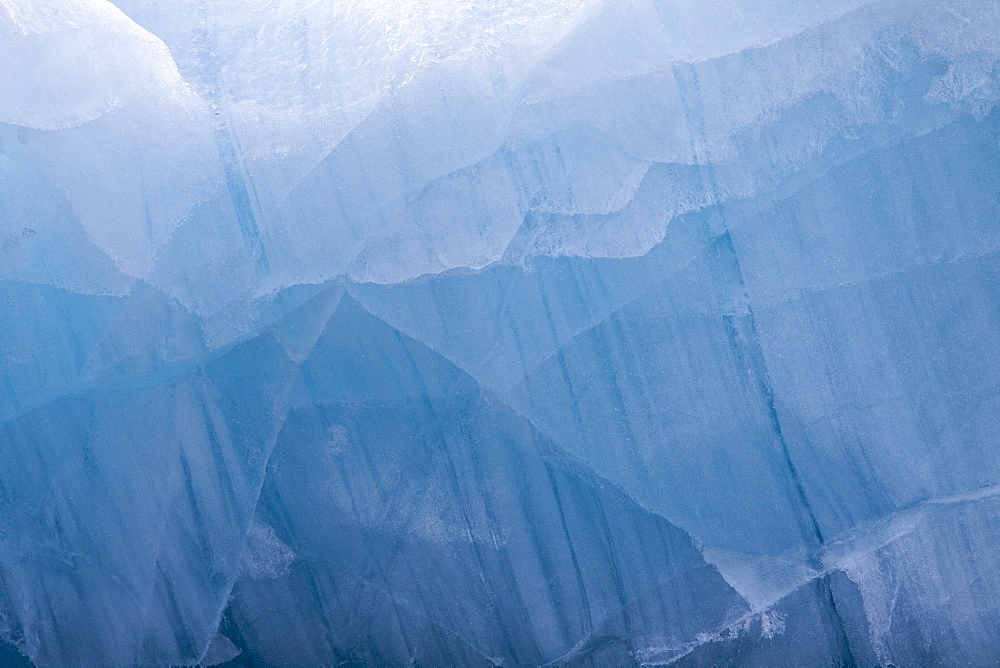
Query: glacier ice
483	332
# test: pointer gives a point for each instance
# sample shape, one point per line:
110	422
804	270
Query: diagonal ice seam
840	554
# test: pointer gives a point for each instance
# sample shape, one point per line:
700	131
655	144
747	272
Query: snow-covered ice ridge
499	332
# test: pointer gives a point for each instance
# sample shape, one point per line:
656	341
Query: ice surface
470	332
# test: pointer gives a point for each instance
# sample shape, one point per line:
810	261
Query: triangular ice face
422	511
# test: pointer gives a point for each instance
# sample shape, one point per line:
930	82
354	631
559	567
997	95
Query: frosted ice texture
470	332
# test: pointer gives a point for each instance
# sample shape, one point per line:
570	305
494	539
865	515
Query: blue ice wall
439	332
